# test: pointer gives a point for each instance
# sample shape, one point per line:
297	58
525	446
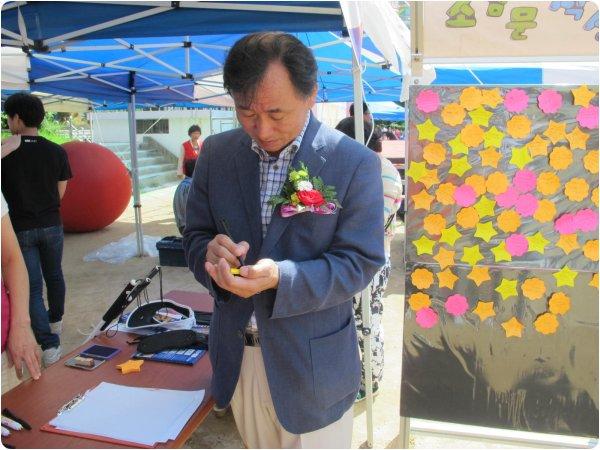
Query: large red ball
99	191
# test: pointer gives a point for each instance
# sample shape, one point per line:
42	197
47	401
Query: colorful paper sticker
550	101
595	197
547	183
459	166
525	180
421	278
586	220
594	281
490	157
426	318
481	116
485	207
465	195
517	244
582	96
545	212
450	235
559	303
418	301
509	221
565	277
471	255
457	146
422	200
456	305
526	205
479	275
507	288
424	245
446	278
588	117
496	183
577	189
577	139
513	328
590	161
467	218
445	193
556	131
434	153
485	231
491	97
427	130
590	249
546	323
537	243
561	158
533	288
470	98
520	157
428	101
484	310
471	135
567	243
453	114
508	199
416	170
538	146
516	100
518	126
500	253
477	182
444	257
434	224
429	178
493	138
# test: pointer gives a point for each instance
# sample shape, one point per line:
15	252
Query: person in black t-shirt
34	179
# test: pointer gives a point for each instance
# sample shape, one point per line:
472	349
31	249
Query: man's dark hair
193	129
346	126
188	167
29	108
365	109
249	58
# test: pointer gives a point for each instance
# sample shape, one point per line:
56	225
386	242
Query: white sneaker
51	355
56	327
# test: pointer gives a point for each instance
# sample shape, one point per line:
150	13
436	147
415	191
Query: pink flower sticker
550	101
456	305
566	224
508	198
525	181
516	100
428	101
426	317
465	195
588	117
586	220
517	244
527	205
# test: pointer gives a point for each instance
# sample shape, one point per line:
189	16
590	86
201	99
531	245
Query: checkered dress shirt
274	172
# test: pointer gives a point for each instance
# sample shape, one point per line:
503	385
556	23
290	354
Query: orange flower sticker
419	301
559	303
518	126
434	153
467	217
491	97
445	194
471	98
546	323
561	158
471	135
577	189
453	114
545	212
590	250
496	183
434	224
548	183
422	278
590	161
477	182
533	288
595	196
509	221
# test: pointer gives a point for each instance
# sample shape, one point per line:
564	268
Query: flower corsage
302	193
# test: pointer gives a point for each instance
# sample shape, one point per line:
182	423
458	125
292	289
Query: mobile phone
100	352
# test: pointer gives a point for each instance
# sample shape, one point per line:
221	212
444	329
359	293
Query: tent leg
137	205
404	433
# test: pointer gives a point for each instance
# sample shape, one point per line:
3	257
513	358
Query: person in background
181	194
34	180
190	149
348	122
392	198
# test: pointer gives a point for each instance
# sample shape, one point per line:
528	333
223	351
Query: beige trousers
257	421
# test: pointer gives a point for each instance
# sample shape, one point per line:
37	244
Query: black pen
6	412
228	233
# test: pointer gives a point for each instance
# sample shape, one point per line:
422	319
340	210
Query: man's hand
222	247
254	279
10	144
23	349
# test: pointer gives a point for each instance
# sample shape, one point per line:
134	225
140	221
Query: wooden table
37	402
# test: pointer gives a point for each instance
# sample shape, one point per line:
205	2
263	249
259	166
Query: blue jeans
42	250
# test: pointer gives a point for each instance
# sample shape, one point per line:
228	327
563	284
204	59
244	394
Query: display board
501	318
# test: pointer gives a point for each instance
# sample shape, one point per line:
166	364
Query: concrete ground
93	286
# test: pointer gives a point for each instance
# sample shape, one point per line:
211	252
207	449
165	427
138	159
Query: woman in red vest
190	149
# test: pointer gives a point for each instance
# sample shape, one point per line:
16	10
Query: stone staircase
157	167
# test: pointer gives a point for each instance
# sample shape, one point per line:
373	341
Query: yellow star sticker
507	288
577	139
471	255
520	157
490	157
447	279
450	235
538	146
594	281
513	327
565	277
537	242
416	171
479	275
430	178
582	96
484	310
445	257
422	200
485	207
481	116
459	166
568	243
556	131
427	130
500	253
493	137
131	366
457	146
485	231
424	245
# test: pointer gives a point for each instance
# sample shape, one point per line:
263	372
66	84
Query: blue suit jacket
306	325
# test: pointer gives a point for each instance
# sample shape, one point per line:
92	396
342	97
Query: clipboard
49	428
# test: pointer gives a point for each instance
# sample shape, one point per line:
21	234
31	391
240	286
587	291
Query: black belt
251	338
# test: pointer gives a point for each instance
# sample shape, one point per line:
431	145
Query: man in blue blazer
283	343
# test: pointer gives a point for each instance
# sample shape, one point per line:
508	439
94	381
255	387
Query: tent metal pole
137	204
365	295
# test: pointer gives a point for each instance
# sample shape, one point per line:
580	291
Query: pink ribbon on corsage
288	210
